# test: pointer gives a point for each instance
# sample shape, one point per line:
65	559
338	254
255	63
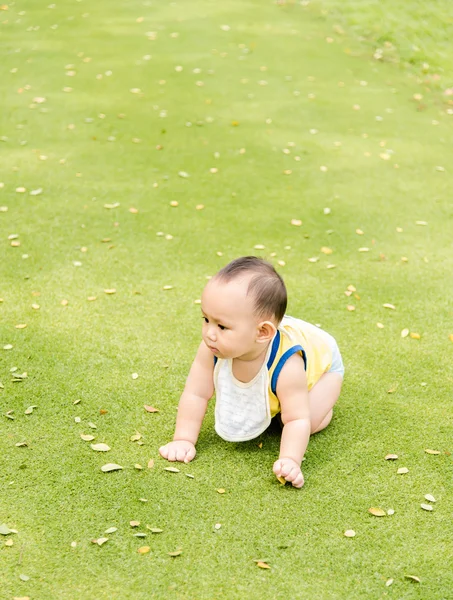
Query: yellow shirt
297	336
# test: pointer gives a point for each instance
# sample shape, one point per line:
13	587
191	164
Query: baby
260	362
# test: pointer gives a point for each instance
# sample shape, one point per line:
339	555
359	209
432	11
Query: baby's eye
205	319
222	327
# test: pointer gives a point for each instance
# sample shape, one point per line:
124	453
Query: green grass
53	491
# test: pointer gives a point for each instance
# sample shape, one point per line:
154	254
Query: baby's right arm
192	407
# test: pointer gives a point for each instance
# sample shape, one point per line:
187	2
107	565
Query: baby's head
242	306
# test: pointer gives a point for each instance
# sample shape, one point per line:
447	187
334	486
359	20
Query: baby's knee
323	423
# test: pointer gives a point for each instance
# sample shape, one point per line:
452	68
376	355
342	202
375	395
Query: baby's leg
322	397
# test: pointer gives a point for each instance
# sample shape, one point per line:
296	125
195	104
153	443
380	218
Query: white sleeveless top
242	410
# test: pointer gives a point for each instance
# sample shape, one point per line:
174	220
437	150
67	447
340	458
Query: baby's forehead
230	296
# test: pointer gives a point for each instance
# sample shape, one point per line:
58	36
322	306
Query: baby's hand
179	450
289	470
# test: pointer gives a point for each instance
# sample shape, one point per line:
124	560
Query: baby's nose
212	334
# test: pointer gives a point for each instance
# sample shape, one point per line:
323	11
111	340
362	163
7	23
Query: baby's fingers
190	454
163	451
277	467
298	482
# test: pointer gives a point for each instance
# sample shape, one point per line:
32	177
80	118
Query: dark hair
266	285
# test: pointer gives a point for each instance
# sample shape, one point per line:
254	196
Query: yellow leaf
134	523
389	306
296	222
415	336
377	512
110	291
403	470
172	469
351	288
351	307
175	553
426	507
262	565
349	533
326	250
428	451
150	463
405	333
144	550
391	457
220	491
413	577
21	326
282	480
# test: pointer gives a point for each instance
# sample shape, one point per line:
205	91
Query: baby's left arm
292	392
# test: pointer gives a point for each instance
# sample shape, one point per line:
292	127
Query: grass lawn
247	115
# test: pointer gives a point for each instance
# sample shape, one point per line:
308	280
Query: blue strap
215	360
275	345
282	362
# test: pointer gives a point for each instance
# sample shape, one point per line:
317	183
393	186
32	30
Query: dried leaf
175	553
377	512
426	506
87	438
30	410
101	541
110	291
413	578
138	467
220	491
140	535
137	436
326	250
154	529
349	533
111	530
150	409
24	577
100	447
190	476
415	336
144	550
262	565
21	326
403	470
9	543
296	222
150	463
4	529
388	583
134	523
405	333
21	444
428	451
172	469
389	306
430	498
282	480
92	425
110	467
391	457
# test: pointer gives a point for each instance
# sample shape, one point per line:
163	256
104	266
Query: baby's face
229	324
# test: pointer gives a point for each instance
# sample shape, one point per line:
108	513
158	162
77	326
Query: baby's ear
266	331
